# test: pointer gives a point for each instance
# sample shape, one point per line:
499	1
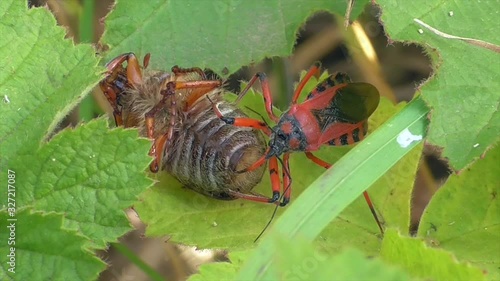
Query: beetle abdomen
206	152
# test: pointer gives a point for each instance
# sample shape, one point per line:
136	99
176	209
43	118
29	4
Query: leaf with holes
225	35
464	92
424	262
214	271
464	215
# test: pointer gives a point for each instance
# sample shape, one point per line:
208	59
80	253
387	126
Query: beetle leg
145	60
133	70
132	75
112	97
202	88
163	142
159	143
178	71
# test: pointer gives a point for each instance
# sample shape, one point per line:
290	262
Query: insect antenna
210	100
277	205
261	117
269	222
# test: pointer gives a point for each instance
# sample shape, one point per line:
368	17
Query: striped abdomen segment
353	136
206	152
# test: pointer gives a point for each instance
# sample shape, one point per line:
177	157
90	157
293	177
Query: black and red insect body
334	113
189	140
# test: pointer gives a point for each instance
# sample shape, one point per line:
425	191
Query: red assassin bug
334	113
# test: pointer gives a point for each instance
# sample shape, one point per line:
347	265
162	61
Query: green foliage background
72	188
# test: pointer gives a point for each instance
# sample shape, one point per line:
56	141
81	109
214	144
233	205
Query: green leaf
43	250
90	174
42	80
225	35
464	93
87	175
464	215
427	263
299	260
221	270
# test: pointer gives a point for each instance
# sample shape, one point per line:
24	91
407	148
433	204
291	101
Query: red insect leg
249	123
365	193
266	93
256	164
241	121
314	69
250	196
287	180
275	179
275	183
331	81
